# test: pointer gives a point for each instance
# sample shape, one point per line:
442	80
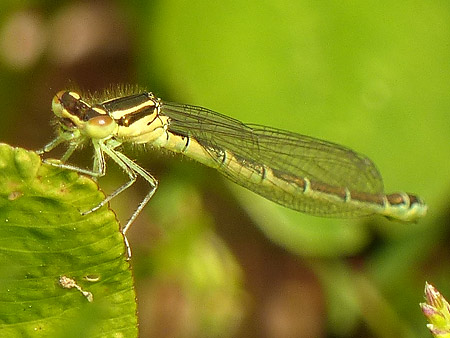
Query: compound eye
65	100
57	106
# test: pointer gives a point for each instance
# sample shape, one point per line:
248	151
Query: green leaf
63	274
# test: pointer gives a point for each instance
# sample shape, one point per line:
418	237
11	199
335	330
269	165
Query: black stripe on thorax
134	108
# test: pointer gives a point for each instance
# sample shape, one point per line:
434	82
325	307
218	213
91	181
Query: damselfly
299	172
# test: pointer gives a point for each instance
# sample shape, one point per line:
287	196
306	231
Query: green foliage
43	238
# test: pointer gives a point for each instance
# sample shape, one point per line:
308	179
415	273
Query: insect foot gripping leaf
43	236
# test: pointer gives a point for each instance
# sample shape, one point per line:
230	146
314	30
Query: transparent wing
292	154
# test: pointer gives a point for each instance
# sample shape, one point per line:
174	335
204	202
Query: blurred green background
211	259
